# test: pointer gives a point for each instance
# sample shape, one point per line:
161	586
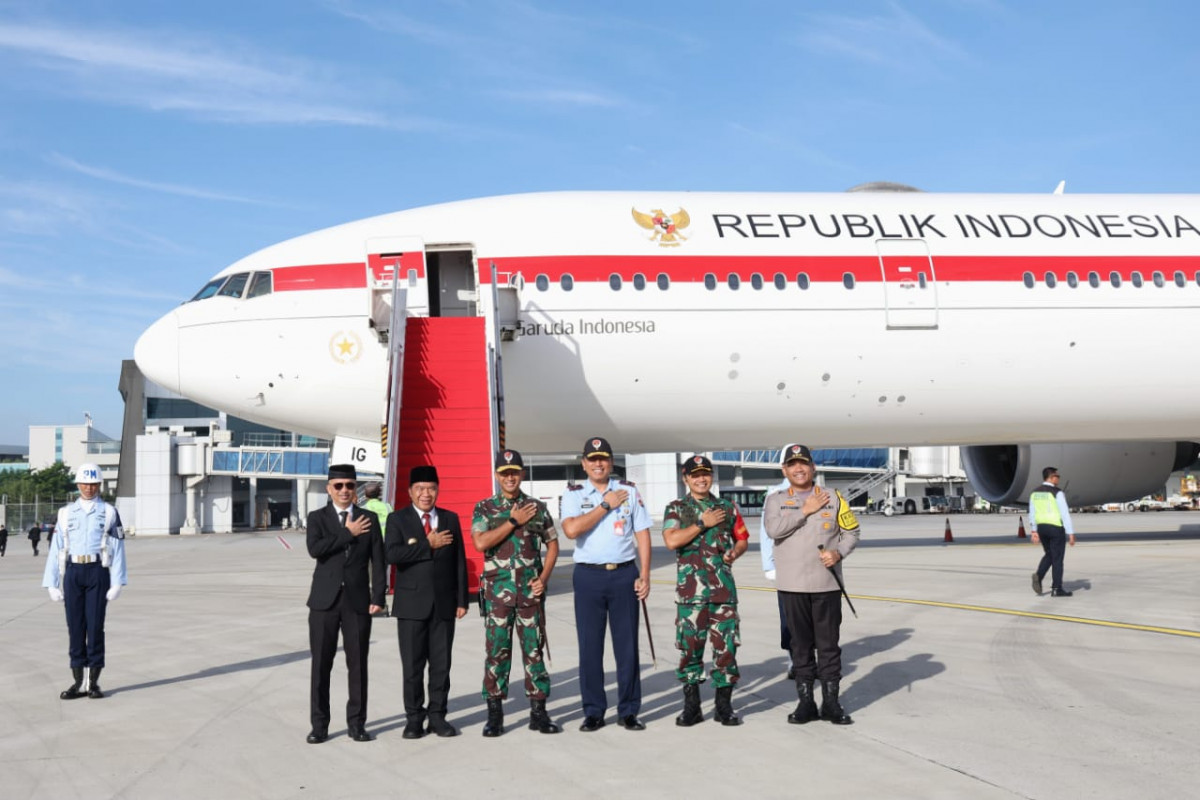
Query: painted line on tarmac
1103	623
283	542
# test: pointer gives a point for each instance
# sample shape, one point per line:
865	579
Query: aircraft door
388	258
452	283
909	284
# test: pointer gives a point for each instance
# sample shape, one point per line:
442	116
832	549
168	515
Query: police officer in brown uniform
813	531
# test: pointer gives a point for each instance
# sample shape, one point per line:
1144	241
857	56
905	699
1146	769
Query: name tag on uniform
587	506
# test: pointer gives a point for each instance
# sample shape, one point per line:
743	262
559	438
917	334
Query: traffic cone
949	535
1021	527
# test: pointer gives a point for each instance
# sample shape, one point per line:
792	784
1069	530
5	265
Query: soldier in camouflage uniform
707	535
509	529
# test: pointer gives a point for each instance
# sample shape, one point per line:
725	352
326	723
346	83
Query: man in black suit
344	539
426	545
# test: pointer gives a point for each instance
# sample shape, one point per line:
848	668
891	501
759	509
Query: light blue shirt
611	541
82	530
766	546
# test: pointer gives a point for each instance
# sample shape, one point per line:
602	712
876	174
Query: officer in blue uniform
86	568
611	529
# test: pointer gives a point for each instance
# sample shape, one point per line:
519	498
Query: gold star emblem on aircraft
666	229
345	347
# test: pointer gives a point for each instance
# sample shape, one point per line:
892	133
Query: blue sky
146	145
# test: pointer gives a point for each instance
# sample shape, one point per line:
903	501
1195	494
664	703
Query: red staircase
445	417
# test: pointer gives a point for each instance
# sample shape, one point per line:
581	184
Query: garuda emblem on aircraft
665	228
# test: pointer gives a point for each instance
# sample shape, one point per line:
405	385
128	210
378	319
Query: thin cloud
103	174
562	97
162	71
898	40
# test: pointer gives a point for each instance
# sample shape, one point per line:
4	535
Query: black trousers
1054	549
85	588
323	628
815	623
424	642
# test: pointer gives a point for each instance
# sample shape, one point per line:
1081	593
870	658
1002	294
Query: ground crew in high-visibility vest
1050	523
86	568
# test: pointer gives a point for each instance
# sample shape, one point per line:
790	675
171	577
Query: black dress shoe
360	735
1060	593
791	673
1037	585
442	728
632	723
592	724
414	729
316	736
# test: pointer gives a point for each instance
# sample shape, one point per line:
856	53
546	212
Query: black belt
609	567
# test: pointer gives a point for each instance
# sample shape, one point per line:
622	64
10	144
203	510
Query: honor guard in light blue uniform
86	568
611	529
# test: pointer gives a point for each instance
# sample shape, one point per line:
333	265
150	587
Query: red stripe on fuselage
693	269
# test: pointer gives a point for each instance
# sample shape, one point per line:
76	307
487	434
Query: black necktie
343	515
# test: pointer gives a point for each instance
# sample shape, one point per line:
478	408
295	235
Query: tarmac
961	681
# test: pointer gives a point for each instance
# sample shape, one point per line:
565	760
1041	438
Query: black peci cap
343	472
423	474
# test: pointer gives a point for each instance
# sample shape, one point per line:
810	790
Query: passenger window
614	282
639	281
734	280
802	280
848	280
1159	280
1180	279
780	280
756	281
1051	279
1198	278
543	282
1114	278
567	281
921	280
710	281
664	282
209	290
1094	280
1135	278
1027	279
260	286
1072	280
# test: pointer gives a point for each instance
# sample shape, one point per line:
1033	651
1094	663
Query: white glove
55	594
770	574
114	592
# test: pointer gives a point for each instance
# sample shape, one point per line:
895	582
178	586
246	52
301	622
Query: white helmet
87	473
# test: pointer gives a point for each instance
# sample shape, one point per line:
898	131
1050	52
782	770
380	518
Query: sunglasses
337	487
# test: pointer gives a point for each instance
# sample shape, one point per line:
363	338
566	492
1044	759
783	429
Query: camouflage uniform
705	594
509	570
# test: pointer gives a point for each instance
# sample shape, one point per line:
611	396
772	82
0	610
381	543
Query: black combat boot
539	720
72	691
691	706
94	683
495	720
831	709
806	709
724	713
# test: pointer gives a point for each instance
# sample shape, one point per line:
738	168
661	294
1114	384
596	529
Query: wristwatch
604	504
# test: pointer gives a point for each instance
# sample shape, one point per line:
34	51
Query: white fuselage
903	318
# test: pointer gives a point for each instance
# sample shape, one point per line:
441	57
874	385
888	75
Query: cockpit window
209	289
261	285
235	285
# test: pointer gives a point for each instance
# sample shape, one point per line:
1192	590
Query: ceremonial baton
649	635
841	585
542	626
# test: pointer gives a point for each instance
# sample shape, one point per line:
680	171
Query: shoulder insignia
574	487
624	482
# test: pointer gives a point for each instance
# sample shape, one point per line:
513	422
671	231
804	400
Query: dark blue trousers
84	587
607	596
785	636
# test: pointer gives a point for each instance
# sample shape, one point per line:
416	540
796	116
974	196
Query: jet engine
1106	472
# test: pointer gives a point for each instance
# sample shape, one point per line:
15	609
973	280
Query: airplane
1024	327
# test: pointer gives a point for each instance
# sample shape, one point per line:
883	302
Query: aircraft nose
157	352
